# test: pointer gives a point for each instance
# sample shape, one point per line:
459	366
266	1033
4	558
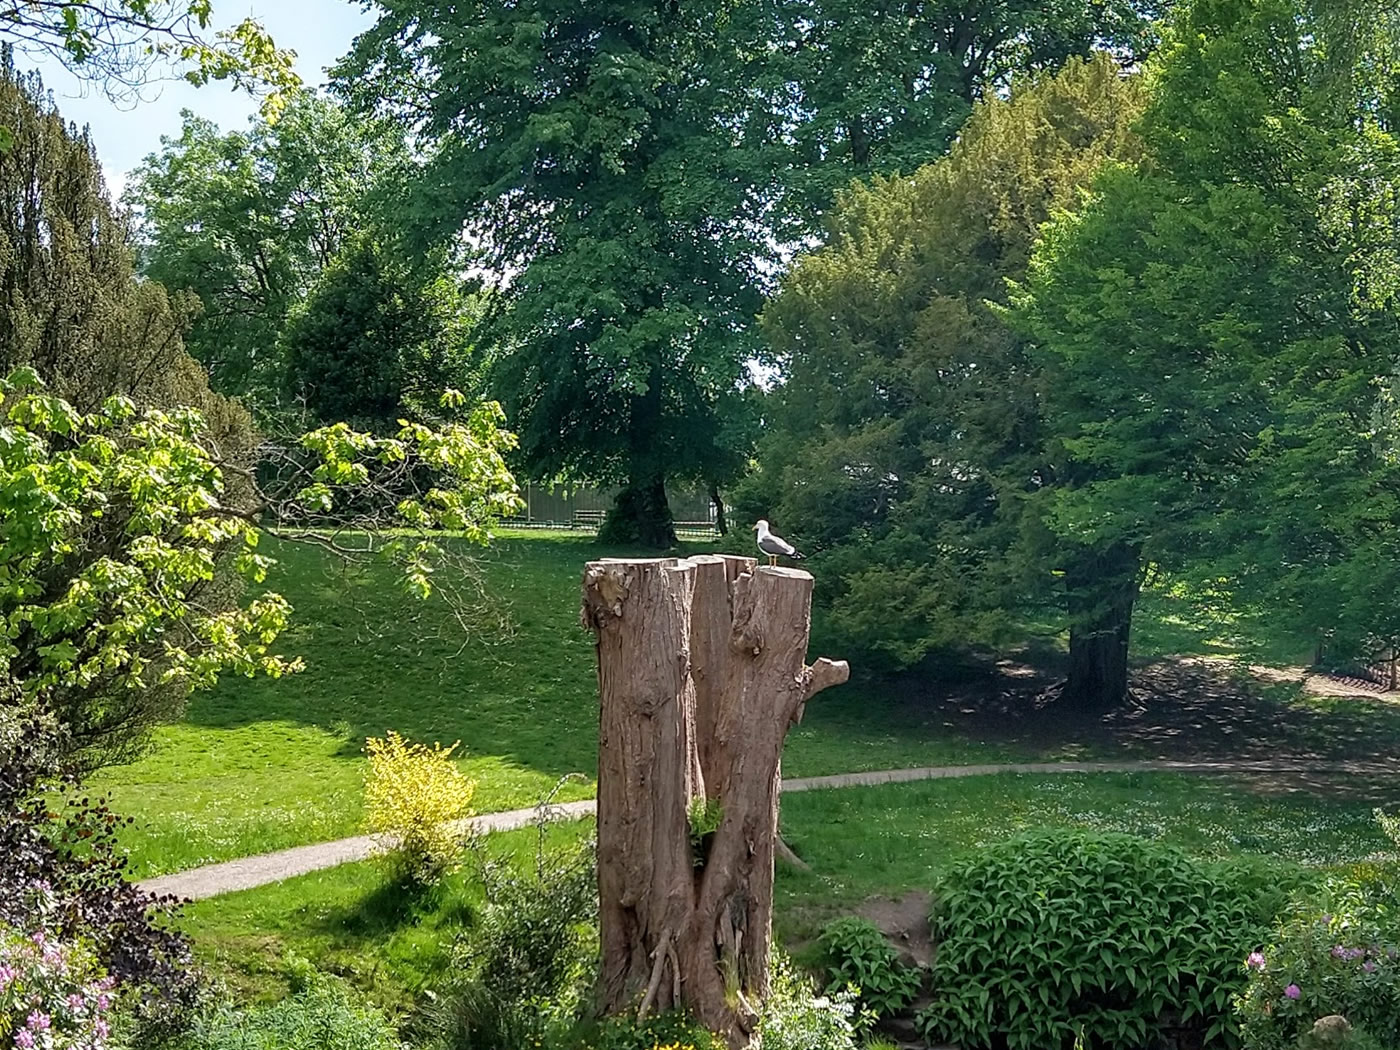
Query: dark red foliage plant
61	869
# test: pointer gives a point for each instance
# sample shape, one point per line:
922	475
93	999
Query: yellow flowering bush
414	793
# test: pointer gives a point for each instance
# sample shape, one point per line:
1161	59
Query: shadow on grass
514	681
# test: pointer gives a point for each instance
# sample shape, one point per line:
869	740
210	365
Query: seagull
773	546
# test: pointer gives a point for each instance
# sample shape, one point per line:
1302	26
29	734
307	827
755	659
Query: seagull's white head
762	525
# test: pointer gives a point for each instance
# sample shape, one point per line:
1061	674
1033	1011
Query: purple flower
37	1022
101	1029
76	1003
1369	966
1293	991
104	1001
1337	951
7	976
24	1039
1255	961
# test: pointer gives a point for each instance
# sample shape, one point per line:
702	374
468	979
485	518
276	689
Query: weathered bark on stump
701	673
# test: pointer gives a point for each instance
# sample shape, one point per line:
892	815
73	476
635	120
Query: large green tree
635	170
907	443
375	337
72	306
883	86
247	220
1214	327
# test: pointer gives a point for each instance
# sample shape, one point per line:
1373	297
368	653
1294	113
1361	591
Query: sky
319	31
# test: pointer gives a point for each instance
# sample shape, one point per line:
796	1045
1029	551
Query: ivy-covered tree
635	170
247	221
907	443
375	336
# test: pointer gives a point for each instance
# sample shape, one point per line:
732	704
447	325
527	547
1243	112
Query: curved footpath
250	872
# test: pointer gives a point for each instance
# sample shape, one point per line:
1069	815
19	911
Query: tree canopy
1192	375
635	171
123	44
374	338
1215	326
247	220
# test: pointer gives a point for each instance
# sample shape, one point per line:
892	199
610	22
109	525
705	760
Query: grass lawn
860	842
890	839
259	764
349	921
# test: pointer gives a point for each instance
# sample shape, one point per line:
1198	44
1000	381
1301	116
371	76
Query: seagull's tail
797	555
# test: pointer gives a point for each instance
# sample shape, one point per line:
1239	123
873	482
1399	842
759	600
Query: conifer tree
908	442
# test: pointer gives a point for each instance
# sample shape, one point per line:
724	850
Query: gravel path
250	872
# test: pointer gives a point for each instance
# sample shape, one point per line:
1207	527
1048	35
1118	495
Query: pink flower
24	1039
7	976
76	1003
104	1001
37	1022
1255	961
101	1029
1293	991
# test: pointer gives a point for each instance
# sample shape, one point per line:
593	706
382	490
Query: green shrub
795	1017
528	963
322	1015
1058	935
1338	956
858	954
669	1031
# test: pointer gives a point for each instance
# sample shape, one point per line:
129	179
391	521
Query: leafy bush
528	963
52	995
414	793
795	1017
1337	957
62	874
858	955
668	1031
321	1015
1060	934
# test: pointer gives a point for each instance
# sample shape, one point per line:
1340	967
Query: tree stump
701	672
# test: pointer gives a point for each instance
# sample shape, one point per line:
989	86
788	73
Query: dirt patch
904	920
1200	709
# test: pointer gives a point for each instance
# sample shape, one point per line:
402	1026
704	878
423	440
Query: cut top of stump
608	582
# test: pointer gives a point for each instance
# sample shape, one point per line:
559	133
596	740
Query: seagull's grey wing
771	544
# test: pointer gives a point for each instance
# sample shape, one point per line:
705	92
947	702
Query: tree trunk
1102	587
641	514
700	675
721	523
